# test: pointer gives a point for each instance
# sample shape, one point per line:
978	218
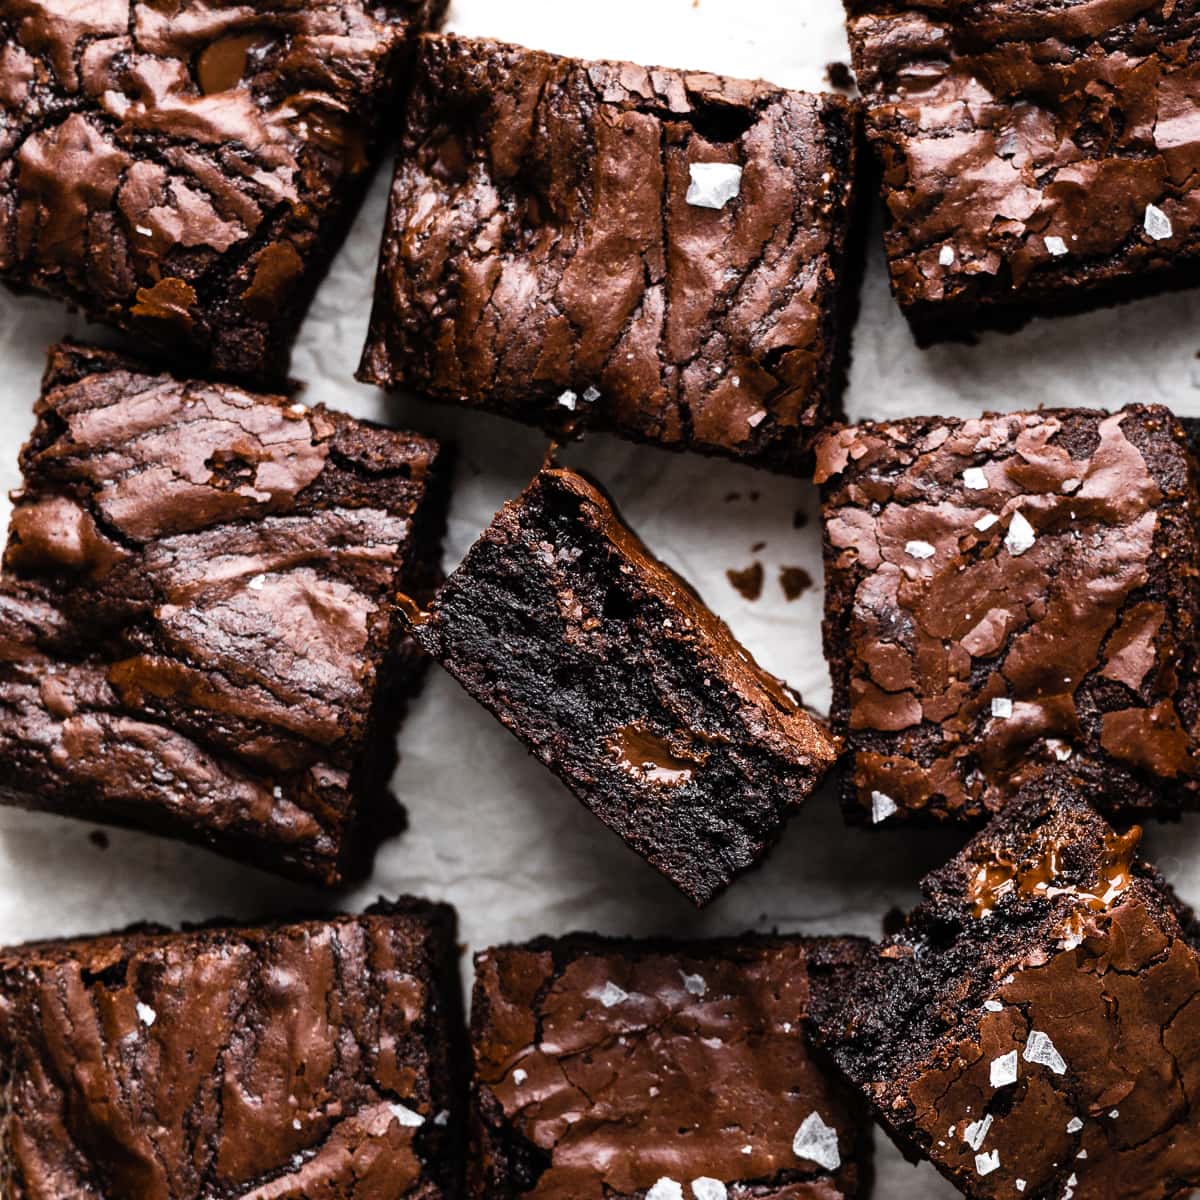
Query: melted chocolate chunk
542	258
604	1069
1009	592
1036	157
198	631
1048	1042
291	1062
609	668
185	171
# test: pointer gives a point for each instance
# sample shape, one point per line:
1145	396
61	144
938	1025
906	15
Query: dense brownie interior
285	1062
198	632
1006	592
186	171
550	255
1038	1017
611	670
607	1069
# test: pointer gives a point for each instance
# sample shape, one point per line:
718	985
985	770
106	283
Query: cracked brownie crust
1008	592
198	632
1038	155
610	669
316	1061
1035	1028
184	170
605	1068
541	259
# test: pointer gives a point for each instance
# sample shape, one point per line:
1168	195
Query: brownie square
285	1062
1007	592
1035	1027
618	1070
609	668
198	628
1038	156
662	254
185	171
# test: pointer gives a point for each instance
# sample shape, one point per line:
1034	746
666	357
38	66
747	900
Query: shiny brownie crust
198	632
1008	592
540	258
1034	1028
185	171
1037	156
610	669
312	1060
604	1068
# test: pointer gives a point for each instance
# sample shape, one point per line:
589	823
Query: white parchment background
491	830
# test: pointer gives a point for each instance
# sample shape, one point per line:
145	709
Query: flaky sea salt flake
705	1188
882	807
1056	246
976	1132
1020	536
713	185
1002	707
1004	1070
1158	224
665	1189
406	1116
818	1143
610	995
985	1164
146	1014
1041	1050
919	550
946	258
975	479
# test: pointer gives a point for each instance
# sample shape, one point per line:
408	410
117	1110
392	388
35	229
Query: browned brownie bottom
555	252
1007	592
284	1062
1037	158
1035	1027
186	171
609	668
617	1070
198	632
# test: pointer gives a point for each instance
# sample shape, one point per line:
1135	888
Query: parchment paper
491	830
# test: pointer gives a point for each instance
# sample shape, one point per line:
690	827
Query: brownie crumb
99	839
758	547
794	581
748	581
839	76
799	519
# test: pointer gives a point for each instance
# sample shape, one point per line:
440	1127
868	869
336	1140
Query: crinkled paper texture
491	830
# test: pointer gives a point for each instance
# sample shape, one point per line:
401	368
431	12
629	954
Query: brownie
198	628
662	254
1037	156
304	1061
185	171
1009	592
1035	1027
609	668
617	1070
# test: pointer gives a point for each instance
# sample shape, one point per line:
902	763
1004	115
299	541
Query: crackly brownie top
1009	590
221	568
262	1064
629	1067
169	163
542	256
1039	1018
1032	146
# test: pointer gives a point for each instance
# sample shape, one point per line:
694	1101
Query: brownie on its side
287	1062
198	629
614	674
1008	592
1035	1028
669	256
1036	157
186	171
616	1070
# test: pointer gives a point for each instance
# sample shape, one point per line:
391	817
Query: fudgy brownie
185	171
1035	1027
669	256
610	1070
293	1062
1007	592
198	628
1038	156
614	674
